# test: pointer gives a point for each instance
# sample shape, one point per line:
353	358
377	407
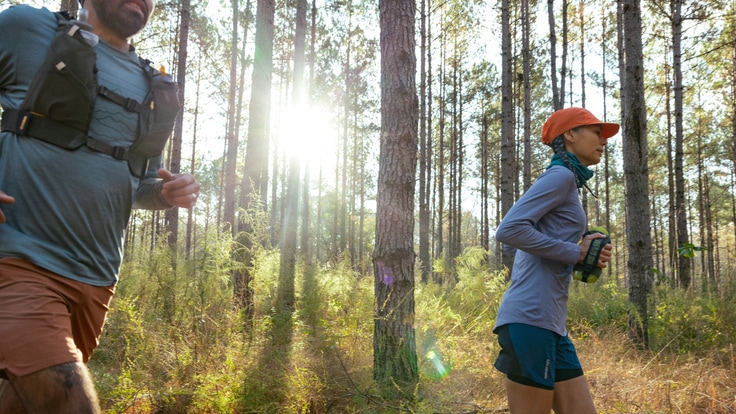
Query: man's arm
4	199
169	190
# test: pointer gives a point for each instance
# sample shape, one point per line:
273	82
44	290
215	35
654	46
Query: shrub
686	322
598	304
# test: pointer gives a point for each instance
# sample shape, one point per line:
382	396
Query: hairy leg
573	397
9	400
64	388
524	399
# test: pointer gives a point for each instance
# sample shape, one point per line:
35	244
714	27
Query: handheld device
588	271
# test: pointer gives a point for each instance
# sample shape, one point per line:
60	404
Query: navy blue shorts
536	357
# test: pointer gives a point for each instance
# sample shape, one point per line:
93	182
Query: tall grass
173	343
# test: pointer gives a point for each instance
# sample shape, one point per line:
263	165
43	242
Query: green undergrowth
174	343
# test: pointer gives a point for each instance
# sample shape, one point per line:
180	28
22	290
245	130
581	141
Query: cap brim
609	129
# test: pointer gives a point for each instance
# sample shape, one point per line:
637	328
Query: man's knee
9	401
64	388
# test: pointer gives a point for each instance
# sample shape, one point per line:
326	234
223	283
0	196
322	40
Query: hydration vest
58	106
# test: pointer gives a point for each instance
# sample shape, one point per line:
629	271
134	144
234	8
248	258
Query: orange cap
566	119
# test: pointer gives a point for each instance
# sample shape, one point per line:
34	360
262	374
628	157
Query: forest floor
622	380
319	359
457	376
314	378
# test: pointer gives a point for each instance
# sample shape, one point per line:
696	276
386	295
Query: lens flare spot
387	275
440	370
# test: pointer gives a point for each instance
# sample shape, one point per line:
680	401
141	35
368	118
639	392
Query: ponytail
558	144
580	172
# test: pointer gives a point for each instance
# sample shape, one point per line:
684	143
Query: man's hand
181	190
605	255
4	199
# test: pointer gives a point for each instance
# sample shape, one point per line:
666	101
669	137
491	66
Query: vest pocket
63	88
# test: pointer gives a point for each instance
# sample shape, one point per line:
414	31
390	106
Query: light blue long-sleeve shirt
543	226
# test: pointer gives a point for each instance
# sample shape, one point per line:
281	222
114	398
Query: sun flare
309	134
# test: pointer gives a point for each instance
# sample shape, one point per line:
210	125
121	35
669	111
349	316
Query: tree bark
563	67
636	173
172	214
526	57
394	343
685	264
674	257
556	100
306	251
508	145
231	158
289	229
424	146
72	6
255	178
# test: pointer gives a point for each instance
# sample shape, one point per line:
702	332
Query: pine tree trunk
228	212
674	257
485	194
459	176
431	174
684	272
452	209
424	151
636	173
440	182
394	343
289	229
172	214
563	67
508	145
306	205
253	185
556	99
733	119
191	228
526	57
581	13
606	159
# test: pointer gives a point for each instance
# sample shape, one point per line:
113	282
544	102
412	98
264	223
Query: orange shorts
47	319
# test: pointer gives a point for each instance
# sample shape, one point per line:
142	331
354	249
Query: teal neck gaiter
582	173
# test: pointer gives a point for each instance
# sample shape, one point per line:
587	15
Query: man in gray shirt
63	210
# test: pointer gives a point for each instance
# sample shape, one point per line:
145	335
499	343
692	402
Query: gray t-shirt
71	207
544	226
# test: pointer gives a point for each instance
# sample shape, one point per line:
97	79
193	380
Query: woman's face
586	143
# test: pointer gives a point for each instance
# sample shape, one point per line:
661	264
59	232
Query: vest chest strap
25	123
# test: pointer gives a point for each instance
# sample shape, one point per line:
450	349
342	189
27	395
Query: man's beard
119	20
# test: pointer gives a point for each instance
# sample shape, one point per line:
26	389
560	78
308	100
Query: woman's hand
181	190
606	251
5	199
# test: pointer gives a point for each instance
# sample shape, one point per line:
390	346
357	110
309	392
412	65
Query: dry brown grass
622	379
625	380
324	373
